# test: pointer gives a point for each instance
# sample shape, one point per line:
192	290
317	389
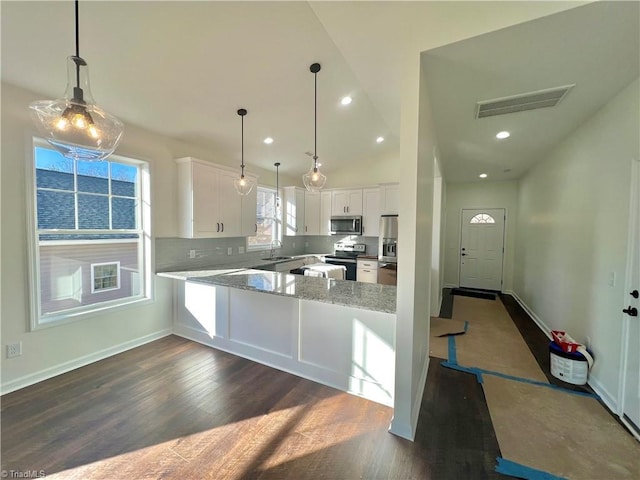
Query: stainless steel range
346	254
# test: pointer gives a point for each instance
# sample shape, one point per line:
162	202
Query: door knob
631	311
463	254
634	294
463	249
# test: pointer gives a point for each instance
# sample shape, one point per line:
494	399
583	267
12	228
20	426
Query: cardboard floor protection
547	429
567	435
492	341
439	345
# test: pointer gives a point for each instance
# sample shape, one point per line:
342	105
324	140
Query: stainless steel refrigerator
388	239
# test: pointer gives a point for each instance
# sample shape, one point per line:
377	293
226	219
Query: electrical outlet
192	253
240	250
230	251
14	350
612	279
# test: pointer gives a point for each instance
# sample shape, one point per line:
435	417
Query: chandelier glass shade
74	125
314	180
243	185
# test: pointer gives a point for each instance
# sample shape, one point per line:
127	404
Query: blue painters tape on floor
478	372
514	469
452	350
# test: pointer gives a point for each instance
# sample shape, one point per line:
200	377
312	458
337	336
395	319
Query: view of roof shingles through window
104	191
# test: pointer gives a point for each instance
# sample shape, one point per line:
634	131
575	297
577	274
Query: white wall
415	236
572	234
479	195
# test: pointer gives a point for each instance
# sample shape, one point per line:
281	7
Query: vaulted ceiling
182	69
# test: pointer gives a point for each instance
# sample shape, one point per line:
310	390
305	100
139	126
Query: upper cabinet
371	211
311	213
325	213
209	206
389	199
293	211
346	202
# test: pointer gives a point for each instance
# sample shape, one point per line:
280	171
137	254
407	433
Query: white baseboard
606	397
450	285
408	431
65	367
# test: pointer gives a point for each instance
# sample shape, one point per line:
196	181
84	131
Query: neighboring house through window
268	221
91	244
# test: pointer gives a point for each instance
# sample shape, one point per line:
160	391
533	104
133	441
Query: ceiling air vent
525	101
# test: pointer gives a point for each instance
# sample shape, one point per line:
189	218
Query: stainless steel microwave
346	225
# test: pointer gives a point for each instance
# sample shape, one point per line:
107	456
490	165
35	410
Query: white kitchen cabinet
311	213
325	213
370	211
367	271
208	203
389	199
346	202
293	211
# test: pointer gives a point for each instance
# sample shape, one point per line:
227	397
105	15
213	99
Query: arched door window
482	218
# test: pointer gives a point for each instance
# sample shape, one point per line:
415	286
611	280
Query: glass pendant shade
74	124
314	180
243	185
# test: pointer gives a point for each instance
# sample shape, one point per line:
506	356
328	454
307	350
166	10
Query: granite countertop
368	296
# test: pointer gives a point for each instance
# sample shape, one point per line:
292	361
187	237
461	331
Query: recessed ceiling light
268	140
346	100
380	139
483	175
502	135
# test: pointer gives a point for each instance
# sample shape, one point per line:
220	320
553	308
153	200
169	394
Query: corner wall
572	235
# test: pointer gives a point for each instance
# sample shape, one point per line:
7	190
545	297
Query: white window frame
93	277
277	218
145	249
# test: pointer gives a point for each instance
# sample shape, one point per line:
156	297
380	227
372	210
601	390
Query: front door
631	396
481	248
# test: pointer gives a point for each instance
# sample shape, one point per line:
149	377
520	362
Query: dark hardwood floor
177	409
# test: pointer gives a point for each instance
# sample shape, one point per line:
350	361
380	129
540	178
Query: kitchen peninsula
337	332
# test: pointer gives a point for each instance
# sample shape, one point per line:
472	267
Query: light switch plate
240	250
230	251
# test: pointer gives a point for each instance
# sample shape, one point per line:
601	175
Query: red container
564	341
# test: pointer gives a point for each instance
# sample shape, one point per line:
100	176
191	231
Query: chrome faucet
275	244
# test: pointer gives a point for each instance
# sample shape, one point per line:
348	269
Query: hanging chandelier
74	125
314	180
243	185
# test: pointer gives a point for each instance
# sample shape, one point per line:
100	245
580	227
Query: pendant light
243	185
314	180
74	124
277	165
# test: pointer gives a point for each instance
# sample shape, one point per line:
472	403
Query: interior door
631	395
482	248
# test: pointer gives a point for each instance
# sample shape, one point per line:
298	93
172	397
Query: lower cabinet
344	347
367	271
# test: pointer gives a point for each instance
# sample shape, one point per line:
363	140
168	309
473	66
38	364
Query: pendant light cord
242	147
315	120
77	46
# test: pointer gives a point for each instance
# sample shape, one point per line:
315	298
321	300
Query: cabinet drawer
368	264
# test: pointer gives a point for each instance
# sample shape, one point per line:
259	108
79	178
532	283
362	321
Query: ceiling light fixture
314	180
483	175
74	124
243	185
346	100
379	139
268	140
502	135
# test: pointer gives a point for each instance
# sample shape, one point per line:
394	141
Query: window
269	223
482	218
91	244
105	276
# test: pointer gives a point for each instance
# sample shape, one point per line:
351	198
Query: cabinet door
371	212
325	213
367	275
339	202
229	205
311	213
249	205
204	215
354	205
389	199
